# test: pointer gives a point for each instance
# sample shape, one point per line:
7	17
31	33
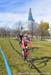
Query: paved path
49	40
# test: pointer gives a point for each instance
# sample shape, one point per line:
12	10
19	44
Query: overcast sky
12	11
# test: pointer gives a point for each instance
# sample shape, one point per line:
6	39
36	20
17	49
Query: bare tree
2	32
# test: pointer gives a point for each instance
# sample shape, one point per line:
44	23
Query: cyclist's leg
26	53
23	53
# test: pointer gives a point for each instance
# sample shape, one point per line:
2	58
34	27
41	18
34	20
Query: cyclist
24	45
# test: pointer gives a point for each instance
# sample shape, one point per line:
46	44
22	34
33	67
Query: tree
42	30
2	32
19	27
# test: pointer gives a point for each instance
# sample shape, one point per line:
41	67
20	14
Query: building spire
30	17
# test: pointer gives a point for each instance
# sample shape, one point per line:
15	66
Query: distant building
30	17
32	25
49	29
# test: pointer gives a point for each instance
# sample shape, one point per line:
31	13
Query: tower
31	22
30	17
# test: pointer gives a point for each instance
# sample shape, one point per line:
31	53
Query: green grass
17	64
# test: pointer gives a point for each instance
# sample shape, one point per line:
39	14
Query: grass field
42	49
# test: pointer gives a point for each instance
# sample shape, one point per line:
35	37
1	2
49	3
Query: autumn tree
42	30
